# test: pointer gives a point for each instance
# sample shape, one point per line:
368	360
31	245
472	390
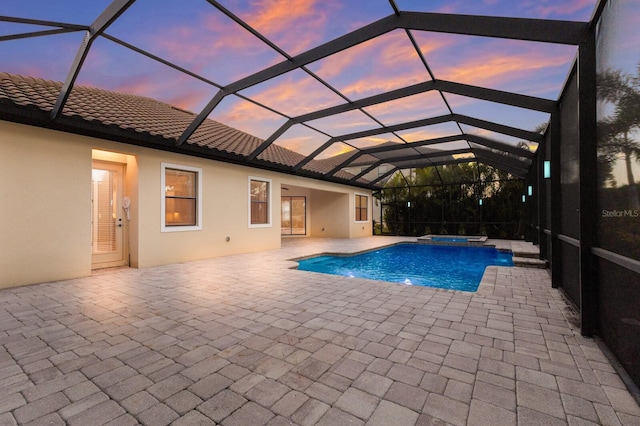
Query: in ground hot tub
453	240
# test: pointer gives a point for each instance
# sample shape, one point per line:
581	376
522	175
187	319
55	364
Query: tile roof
138	115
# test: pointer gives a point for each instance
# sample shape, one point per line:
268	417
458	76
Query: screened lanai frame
335	156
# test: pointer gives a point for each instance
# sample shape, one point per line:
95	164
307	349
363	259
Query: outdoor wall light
546	169
524	198
408	203
530	190
480	202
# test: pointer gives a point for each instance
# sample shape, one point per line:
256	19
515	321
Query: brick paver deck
244	340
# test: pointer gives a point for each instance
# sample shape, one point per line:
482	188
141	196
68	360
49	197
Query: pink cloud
248	117
294	96
206	40
450	7
385	63
293	25
140	85
500	67
303	142
336	64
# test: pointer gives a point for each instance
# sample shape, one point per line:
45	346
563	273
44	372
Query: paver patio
245	340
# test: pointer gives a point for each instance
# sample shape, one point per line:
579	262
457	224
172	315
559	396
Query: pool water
450	239
450	267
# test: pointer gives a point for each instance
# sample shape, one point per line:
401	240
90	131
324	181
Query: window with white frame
181	188
362	208
259	202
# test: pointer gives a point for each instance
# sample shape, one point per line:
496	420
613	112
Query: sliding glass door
294	215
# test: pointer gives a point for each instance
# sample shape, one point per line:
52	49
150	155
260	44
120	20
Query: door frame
291	197
122	228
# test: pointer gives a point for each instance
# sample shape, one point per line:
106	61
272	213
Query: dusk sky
196	36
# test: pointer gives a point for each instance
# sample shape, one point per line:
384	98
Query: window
362	205
182	198
259	202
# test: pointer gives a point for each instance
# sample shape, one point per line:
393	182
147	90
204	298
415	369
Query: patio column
588	182
556	199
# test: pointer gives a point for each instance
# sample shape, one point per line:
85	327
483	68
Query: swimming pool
450	267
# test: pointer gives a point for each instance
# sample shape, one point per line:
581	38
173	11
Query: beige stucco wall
225	213
329	209
45	206
360	228
50	175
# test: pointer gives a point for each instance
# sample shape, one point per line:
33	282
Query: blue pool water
450	267
450	239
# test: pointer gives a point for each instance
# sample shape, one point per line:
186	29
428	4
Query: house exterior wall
45	195
329	211
46	232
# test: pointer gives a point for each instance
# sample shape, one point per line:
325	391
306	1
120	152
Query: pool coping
470	240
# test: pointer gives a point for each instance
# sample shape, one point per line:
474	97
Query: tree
615	132
444	199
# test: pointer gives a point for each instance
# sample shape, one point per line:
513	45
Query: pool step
528	262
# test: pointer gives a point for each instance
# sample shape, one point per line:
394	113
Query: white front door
108	221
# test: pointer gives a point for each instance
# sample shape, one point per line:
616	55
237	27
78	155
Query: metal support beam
434	141
65	91
375	132
106	18
311	156
43	23
264	145
413	157
490	143
452	161
516	172
36	34
541	195
487	125
499	128
384	175
555	147
551	31
365	171
371	100
588	183
543	30
387	148
501	159
339	44
219	96
493	95
346	163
